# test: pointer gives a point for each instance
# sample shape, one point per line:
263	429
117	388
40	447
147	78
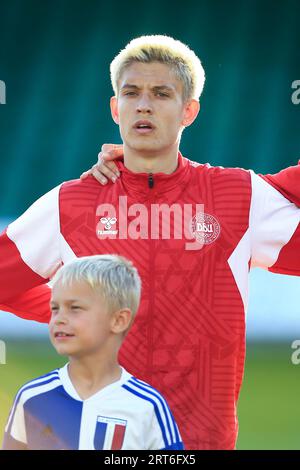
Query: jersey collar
157	183
70	389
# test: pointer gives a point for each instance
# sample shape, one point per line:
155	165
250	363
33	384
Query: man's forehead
153	74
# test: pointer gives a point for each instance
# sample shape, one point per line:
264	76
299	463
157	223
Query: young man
91	403
191	230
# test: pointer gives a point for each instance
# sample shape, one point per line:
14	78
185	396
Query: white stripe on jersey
18	431
150	393
238	262
40	380
272	217
36	232
66	251
172	420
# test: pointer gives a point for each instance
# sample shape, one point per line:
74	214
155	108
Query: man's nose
144	105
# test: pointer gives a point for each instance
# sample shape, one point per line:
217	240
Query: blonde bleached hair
185	64
112	276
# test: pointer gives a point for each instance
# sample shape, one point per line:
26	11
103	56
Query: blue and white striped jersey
128	414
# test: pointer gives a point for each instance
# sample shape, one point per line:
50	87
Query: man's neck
150	162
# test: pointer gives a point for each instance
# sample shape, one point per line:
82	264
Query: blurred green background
54	60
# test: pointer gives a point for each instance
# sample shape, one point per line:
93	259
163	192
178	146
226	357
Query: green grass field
269	409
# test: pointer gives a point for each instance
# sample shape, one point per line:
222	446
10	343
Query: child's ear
121	320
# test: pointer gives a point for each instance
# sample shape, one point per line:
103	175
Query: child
92	402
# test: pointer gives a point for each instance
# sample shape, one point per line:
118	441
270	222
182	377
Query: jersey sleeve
15	432
287	182
29	257
275	224
163	433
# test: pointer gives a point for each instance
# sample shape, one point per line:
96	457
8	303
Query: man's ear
121	320
114	109
191	110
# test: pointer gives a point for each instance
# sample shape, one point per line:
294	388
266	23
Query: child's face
80	324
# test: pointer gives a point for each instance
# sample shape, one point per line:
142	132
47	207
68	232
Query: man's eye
130	93
162	95
75	307
54	309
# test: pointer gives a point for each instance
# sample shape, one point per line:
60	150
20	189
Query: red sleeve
29	257
288	261
22	291
31	305
287	182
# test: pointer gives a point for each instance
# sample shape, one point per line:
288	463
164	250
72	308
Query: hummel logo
108	222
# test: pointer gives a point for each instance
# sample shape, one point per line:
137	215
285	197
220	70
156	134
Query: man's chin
145	147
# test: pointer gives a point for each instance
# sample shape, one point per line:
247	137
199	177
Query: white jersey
128	414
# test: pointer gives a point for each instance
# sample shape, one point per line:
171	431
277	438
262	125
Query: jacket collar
156	183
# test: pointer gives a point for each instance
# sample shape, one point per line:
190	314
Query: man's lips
144	127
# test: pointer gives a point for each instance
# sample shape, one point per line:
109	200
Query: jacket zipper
150	180
152	247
